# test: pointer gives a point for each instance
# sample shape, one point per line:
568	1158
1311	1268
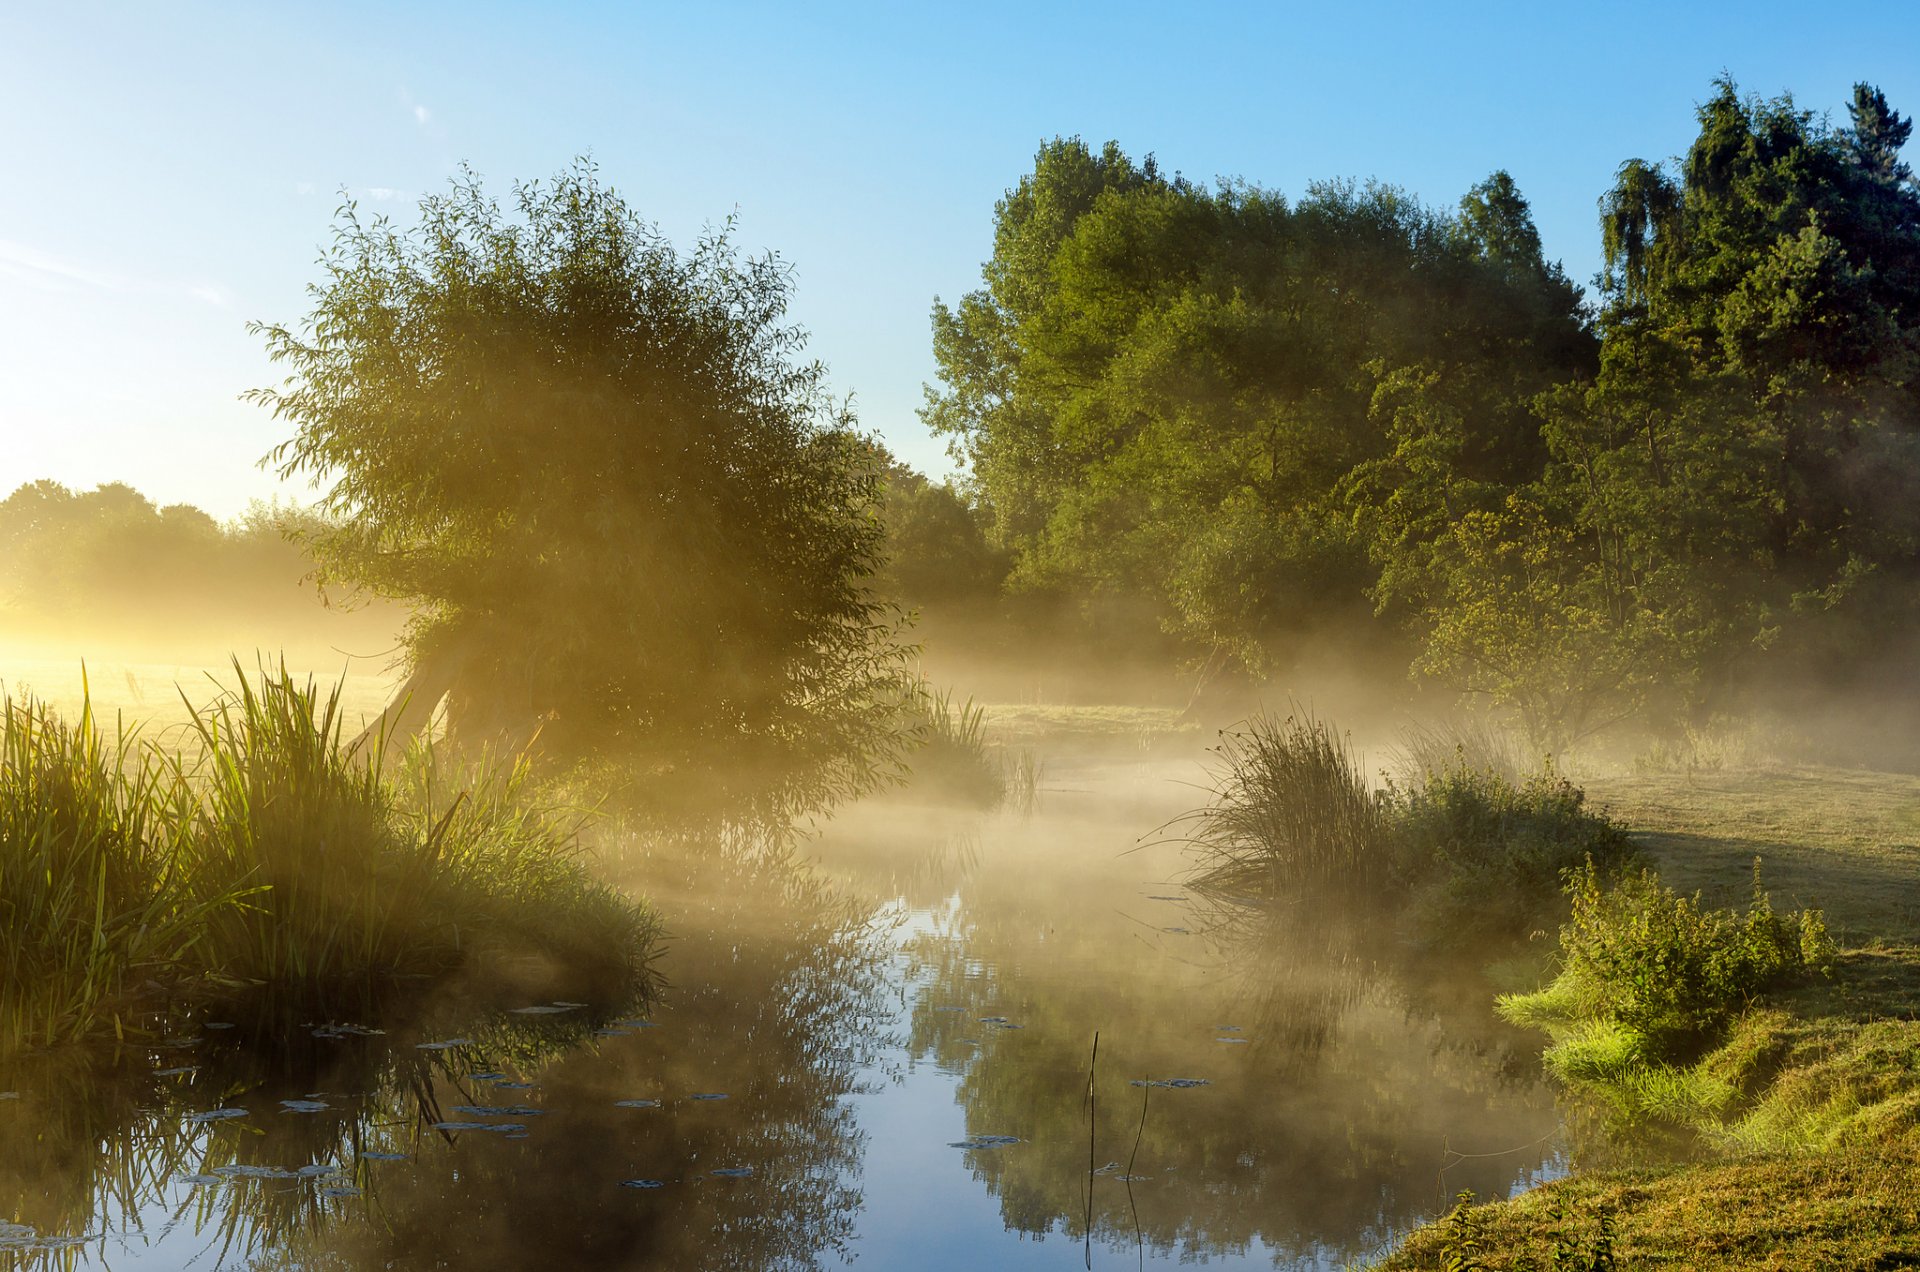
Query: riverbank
1812	1161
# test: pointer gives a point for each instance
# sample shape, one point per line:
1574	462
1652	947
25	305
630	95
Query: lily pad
1177	1084
304	1106
709	1095
316	1169
732	1172
214	1115
384	1157
238	1171
642	1183
636	1104
485	1077
985	1141
200	1181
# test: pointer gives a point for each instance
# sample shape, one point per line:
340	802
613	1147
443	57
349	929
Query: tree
631	519
1162	389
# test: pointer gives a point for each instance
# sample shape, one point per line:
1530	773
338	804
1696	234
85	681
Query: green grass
278	860
1806	1106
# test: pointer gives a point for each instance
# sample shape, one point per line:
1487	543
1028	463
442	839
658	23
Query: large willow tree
631	519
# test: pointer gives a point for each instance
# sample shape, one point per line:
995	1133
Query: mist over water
875	1046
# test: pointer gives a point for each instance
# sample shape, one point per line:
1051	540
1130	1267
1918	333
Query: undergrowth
279	861
1466	855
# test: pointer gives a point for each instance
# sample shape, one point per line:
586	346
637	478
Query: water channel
883	1054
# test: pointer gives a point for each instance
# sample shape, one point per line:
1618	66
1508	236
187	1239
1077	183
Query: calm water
883	1058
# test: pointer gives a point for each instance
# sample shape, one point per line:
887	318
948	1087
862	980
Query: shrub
1639	954
1485	857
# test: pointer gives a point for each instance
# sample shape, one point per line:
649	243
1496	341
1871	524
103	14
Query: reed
281	862
96	893
1291	810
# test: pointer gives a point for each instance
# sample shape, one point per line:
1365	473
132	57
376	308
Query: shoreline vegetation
1741	1084
268	862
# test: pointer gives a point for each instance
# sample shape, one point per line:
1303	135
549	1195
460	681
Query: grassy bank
1800	1106
276	862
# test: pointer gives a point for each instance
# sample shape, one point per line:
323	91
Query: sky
170	173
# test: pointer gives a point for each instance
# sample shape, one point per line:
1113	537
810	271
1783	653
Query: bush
1649	977
1469	854
1676	974
1485	858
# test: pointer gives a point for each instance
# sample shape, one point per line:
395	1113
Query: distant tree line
107	568
1261	421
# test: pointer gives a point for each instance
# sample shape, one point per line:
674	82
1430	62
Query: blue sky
169	172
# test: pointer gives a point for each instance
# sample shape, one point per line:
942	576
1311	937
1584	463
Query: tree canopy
1262	419
628	512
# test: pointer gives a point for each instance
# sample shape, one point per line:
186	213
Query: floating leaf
448	1045
304	1106
985	1141
340	1190
214	1115
384	1157
636	1104
732	1172
709	1095
1178	1084
252	1172
200	1181
642	1183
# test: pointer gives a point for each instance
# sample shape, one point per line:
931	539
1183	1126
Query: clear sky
168	172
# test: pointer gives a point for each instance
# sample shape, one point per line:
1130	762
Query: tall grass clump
282	862
1291	810
95	888
953	759
1465	854
360	878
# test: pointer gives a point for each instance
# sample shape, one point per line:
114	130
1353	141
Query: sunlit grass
280	861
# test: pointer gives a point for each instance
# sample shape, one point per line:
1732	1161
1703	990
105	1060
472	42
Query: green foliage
96	894
1467	855
1161	387
1463	1237
1485	857
278	859
953	760
1657	963
632	518
937	556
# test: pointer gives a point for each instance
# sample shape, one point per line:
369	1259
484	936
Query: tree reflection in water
1337	1093
783	979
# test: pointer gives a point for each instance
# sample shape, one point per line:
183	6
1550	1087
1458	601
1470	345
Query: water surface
887	1056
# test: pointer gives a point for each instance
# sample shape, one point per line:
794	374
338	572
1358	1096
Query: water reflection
880	1055
515	1139
1307	1095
